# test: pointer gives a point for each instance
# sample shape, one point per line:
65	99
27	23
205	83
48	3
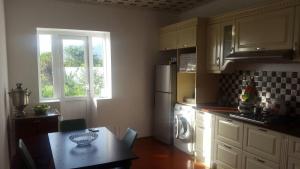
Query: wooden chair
72	125
26	157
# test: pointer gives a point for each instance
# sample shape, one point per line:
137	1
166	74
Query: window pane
46	78
98	65
75	75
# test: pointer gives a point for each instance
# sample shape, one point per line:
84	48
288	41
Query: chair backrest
26	157
72	125
130	137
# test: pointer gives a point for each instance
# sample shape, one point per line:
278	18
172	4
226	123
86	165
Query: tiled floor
155	155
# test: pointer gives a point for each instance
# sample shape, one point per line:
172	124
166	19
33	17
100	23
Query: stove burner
263	118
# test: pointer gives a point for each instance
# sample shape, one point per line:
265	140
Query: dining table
106	152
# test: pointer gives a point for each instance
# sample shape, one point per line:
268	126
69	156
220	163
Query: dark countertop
284	124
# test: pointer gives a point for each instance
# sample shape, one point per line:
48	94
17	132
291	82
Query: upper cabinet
220	44
213	48
187	34
265	30
297	35
168	37
179	35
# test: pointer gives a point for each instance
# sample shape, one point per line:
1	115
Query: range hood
262	55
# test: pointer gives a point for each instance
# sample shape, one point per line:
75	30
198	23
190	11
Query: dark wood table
105	152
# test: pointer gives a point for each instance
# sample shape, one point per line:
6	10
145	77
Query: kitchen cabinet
227	156
294	147
204	137
227	42
262	142
213	48
180	35
229	131
265	30
168	37
187	34
251	161
293	163
297	35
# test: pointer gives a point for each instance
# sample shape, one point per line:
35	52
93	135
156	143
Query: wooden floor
155	155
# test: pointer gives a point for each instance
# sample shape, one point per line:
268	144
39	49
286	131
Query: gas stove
261	118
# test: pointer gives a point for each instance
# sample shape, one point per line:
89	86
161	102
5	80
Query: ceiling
169	5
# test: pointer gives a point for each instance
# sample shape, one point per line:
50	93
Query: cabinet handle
259	160
185	45
259	49
263	130
227	146
228	120
218	60
232	50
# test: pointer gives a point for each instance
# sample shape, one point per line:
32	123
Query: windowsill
74	99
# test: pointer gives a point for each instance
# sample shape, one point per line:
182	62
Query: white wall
217	7
134	42
4	157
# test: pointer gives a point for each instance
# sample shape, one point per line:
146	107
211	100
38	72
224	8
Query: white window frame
58	65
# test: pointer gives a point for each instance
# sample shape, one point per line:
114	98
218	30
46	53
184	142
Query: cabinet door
294	147
168	38
227	42
297	35
227	156
262	142
265	31
187	37
293	163
213	48
204	137
229	131
251	161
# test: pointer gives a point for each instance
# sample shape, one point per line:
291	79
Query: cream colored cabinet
227	42
168	37
262	142
187	33
294	147
229	131
297	35
227	156
204	137
251	161
265	31
179	35
293	163
187	37
213	48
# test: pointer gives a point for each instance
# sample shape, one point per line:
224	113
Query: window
73	64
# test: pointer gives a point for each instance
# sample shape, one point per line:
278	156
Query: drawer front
227	156
229	131
294	147
293	163
200	119
251	161
262	142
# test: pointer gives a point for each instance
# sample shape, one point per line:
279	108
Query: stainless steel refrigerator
165	99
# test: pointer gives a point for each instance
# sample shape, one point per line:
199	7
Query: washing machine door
183	129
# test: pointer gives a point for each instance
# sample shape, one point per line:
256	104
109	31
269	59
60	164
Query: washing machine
184	127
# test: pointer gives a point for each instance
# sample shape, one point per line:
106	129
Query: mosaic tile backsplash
271	86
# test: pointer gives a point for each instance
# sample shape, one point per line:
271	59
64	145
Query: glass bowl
83	139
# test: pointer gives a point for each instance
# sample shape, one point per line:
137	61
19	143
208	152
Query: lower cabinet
293	163
251	161
262	142
227	156
204	137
